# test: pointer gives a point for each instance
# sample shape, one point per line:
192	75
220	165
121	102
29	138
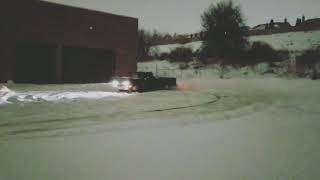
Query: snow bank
8	96
5	94
61	96
155	50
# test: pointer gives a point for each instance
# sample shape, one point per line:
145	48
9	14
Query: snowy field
292	41
165	68
238	128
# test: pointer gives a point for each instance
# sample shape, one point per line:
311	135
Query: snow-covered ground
292	41
211	128
169	69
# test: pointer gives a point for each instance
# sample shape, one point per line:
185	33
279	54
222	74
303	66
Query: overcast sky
183	16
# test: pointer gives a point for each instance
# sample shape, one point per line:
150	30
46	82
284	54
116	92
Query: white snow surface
5	94
210	128
168	48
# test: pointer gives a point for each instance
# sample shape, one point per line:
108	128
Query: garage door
35	63
87	65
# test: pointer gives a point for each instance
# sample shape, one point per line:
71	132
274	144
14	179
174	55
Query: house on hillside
311	23
260	27
268	26
272	27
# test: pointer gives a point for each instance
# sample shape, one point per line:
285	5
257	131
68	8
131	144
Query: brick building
43	42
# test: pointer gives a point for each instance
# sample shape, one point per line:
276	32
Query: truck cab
142	82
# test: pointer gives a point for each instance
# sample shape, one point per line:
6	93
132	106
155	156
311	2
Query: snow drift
8	96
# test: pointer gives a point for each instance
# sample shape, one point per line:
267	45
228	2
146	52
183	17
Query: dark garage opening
87	65
35	63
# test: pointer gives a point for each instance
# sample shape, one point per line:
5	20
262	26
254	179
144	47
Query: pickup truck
142	82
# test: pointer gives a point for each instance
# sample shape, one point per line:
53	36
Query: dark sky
183	16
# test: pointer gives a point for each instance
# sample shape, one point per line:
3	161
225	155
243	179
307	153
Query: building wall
66	26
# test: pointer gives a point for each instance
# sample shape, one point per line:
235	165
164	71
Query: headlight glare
126	83
115	83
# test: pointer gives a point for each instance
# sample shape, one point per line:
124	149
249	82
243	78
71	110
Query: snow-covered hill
292	41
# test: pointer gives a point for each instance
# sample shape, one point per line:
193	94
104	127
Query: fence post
156	70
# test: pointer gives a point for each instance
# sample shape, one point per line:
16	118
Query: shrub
308	63
164	56
224	30
309	57
262	52
181	54
183	66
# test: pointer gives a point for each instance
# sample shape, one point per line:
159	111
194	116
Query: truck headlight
127	84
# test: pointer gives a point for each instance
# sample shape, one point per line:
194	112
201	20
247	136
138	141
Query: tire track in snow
217	98
65	129
24	123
